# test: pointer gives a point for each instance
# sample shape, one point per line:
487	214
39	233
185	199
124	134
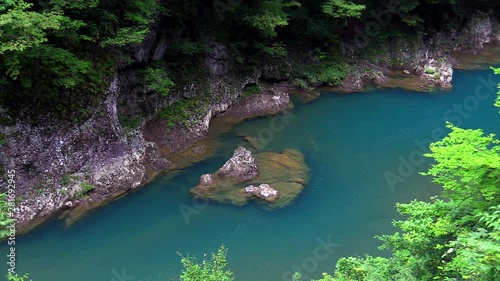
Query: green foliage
328	73
3	139
478	251
183	111
342	9
297	276
130	122
497	71
23	28
15	277
157	80
5	219
251	90
189	48
57	66
52	51
455	236
358	269
332	74
468	166
67	179
85	187
269	16
430	70
213	269
274	50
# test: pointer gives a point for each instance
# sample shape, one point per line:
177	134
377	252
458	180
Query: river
354	145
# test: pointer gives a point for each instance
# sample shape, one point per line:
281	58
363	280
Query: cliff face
65	166
427	58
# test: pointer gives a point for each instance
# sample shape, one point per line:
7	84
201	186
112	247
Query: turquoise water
350	141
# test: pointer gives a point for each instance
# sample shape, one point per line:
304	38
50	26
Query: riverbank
67	171
349	141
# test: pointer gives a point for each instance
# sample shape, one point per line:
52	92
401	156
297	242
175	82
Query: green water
350	142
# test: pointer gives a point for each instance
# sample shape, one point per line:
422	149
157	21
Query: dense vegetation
58	55
454	236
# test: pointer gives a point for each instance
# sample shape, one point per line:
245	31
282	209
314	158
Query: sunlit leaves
213	269
21	28
342	9
497	71
5	219
468	165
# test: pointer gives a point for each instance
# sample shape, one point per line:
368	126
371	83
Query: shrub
251	90
430	70
157	80
182	111
129	122
84	188
3	139
213	269
332	74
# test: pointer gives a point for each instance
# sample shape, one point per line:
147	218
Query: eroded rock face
282	177
478	31
95	153
241	166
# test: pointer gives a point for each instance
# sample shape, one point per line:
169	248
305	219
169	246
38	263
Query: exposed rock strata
100	153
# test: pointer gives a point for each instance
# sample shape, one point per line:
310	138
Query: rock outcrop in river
53	159
280	179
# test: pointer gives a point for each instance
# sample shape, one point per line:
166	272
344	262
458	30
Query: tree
269	16
208	270
22	28
342	9
455	236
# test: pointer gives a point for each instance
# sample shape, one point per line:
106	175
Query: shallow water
350	142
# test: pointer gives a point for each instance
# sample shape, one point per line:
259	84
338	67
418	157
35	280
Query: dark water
351	143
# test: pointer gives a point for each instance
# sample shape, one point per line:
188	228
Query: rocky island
274	178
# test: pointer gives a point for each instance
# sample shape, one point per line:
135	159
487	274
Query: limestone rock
206	180
241	166
286	172
263	191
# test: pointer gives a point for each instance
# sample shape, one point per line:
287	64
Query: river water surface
351	142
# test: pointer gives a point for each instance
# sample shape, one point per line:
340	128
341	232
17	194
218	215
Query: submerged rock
285	175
